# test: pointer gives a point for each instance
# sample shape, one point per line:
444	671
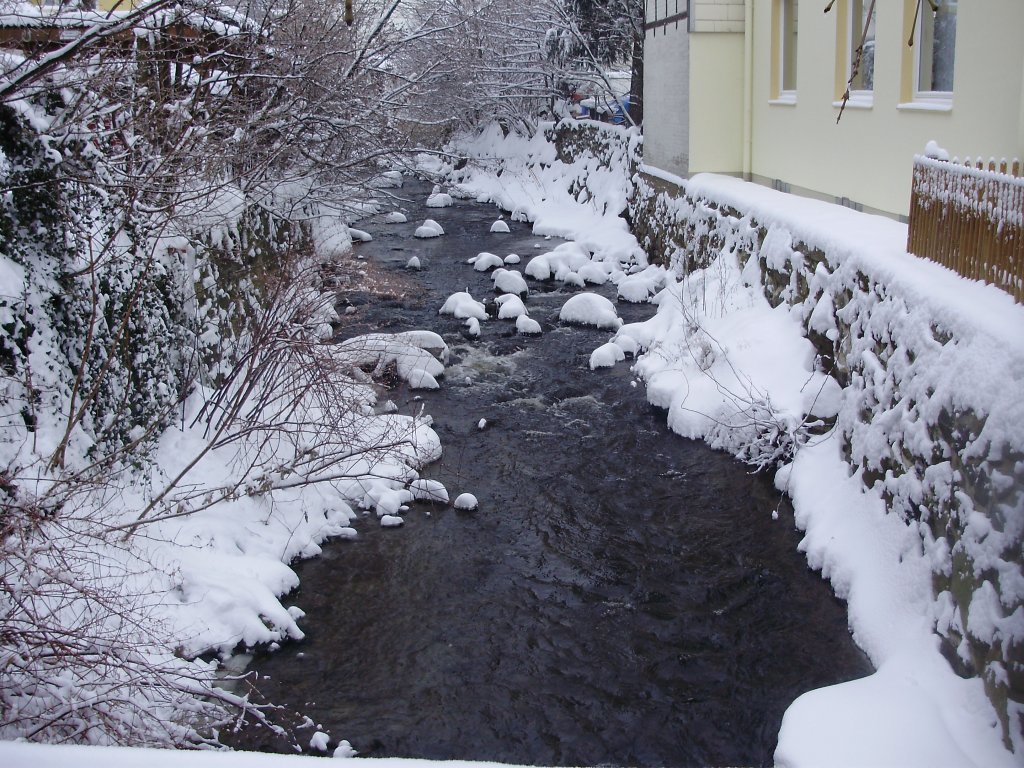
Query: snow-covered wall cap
878	247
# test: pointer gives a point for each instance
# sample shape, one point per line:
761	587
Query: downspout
748	87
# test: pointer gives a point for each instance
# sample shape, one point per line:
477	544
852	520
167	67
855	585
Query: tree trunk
636	103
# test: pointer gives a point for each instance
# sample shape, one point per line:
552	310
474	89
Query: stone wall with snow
931	415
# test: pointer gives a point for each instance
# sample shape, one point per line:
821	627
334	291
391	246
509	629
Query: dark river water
622	596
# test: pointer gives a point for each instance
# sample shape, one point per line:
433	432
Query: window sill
856	103
785	99
927	106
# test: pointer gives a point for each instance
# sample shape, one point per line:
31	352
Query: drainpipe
748	87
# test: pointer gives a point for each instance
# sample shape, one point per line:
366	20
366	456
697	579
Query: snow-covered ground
728	366
27	755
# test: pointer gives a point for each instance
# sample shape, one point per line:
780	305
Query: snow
429	228
512	258
466	502
500	227
485	261
439	199
413	263
462	305
527	326
21	754
510	281
395	217
429	490
510	307
360	235
606	356
589	309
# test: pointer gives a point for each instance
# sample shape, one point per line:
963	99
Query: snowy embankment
741	372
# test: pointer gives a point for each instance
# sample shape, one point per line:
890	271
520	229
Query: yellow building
764	83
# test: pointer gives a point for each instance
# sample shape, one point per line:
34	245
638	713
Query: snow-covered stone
510	306
395	217
527	326
429	490
413	263
606	356
510	281
462	305
485	261
429	228
500	227
467	502
590	309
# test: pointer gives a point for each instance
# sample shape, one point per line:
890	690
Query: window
935	41
784	62
861	17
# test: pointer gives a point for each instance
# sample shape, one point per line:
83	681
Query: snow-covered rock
512	258
485	261
510	306
462	305
473	327
510	281
606	356
359	235
467	502
429	228
413	263
527	326
500	227
395	217
590	309
429	490
391	521
641	286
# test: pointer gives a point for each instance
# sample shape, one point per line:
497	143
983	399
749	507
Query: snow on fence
970	217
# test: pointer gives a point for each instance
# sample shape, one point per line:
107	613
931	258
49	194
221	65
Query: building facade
767	80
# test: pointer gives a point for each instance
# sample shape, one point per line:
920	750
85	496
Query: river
622	596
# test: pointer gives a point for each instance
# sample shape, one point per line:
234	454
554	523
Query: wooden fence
969	217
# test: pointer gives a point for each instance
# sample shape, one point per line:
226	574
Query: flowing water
622	596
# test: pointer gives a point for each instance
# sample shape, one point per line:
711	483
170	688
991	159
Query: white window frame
860	97
785	95
940	99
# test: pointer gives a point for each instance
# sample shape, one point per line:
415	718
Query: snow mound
527	326
439	199
473	327
391	521
606	356
590	309
512	258
429	490
413	363
429	228
389	180
500	227
510	306
462	306
413	263
484	261
359	235
567	257
595	273
640	287
395	217
510	281
466	501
